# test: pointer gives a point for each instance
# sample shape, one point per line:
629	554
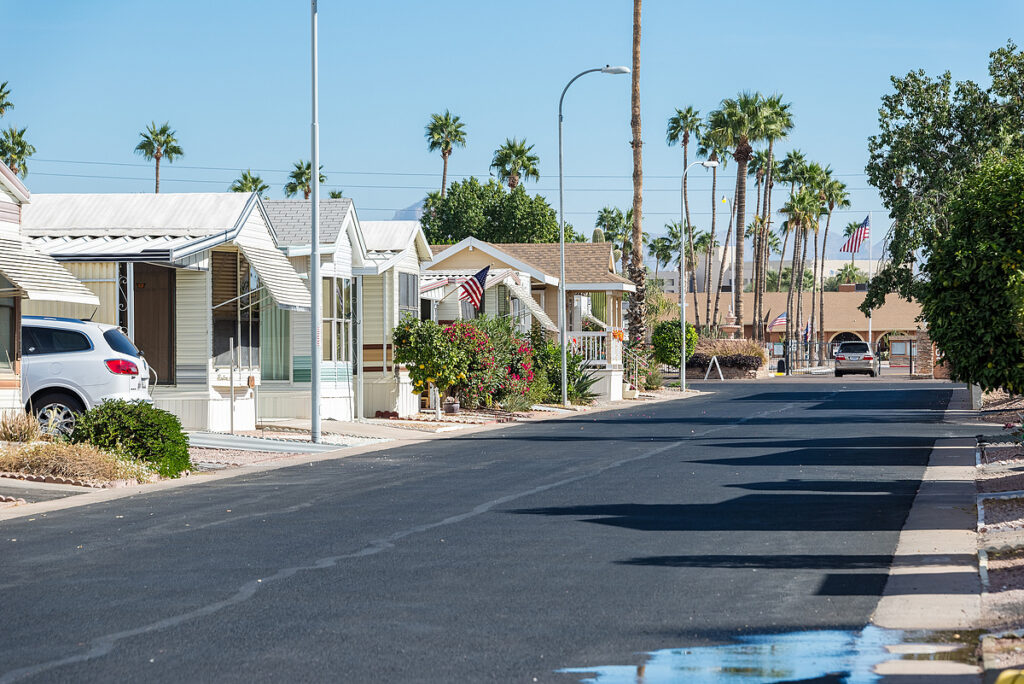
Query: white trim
491	250
601	287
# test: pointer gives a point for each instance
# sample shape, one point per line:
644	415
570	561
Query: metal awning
522	293
39	277
124	248
278	276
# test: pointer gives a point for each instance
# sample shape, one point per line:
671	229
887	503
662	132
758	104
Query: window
409	293
53	341
337	319
120	343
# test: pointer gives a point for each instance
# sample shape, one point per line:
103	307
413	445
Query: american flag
779	320
473	289
862	233
807	330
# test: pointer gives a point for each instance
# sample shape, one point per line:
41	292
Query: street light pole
314	254
561	224
683	231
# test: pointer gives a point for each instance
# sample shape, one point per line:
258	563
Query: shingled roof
585	262
291	220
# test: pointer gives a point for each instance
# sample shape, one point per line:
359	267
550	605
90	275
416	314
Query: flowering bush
431	354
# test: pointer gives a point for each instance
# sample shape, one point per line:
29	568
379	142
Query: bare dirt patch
1006	454
1003	514
235	457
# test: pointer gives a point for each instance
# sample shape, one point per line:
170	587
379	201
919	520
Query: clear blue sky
232	77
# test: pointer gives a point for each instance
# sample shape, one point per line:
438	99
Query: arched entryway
840	337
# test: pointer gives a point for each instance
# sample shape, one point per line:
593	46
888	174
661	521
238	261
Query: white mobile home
286	384
24	274
190	277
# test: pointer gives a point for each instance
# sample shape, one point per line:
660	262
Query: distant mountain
413	212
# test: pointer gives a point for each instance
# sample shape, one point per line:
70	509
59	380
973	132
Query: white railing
600	349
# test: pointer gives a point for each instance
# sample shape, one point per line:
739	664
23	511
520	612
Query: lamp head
724	199
608	69
709	164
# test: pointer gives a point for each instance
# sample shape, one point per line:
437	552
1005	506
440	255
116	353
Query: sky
233	79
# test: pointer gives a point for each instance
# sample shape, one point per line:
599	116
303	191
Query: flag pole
871	262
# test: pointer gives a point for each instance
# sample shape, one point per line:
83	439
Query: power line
380	173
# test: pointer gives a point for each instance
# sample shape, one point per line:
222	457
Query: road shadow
798	561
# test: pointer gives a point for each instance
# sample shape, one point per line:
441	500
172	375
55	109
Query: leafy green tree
491	213
515	161
851	274
444	133
159	142
250	182
667	340
301	179
5	99
15	150
973	292
773	279
923	115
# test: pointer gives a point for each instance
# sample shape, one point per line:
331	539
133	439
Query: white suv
69	366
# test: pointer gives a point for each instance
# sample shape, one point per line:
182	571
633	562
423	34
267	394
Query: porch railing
599	349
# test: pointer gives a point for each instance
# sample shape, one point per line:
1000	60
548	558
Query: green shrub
667	342
654	379
137	431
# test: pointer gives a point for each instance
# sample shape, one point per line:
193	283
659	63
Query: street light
683	228
606	69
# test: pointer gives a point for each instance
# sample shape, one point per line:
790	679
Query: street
507	555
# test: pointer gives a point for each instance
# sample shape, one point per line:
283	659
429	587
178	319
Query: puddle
843	657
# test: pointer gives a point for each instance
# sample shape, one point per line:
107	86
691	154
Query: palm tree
636	315
740	121
778	122
612	224
713	321
712	149
15	150
836	197
679	243
817	178
514	161
5	99
249	182
336	194
301	179
680	126
850	274
802	211
444	132
158	142
791	170
659	249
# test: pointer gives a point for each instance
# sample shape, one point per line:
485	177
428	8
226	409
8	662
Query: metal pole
129	292
682	276
231	381
314	256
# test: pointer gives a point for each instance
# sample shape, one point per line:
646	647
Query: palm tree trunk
444	174
755	329
782	257
711	247
814	298
790	325
157	158
691	264
636	313
821	300
742	155
800	281
721	270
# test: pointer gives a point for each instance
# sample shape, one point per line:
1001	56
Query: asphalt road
503	556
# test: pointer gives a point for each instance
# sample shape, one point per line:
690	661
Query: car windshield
854	348
120	343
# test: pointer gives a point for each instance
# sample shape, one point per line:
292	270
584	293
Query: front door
154	322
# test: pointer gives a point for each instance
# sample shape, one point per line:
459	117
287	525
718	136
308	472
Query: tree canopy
932	134
973	295
491	213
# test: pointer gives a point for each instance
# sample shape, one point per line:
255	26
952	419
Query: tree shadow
798	561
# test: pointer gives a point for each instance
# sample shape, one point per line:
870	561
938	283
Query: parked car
68	366
855	357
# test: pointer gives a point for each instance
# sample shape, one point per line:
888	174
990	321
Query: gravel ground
989	482
1005	454
1005	652
234	457
1003	514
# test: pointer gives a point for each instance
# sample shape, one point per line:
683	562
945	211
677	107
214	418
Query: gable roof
389	238
10	183
586	263
292	219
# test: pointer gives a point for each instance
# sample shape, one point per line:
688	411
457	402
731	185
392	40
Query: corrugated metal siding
10	213
194	327
38	276
101	279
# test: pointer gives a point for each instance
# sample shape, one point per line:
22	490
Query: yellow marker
1011	677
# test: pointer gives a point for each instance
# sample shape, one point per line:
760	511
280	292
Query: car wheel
57	412
838	374
871	373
